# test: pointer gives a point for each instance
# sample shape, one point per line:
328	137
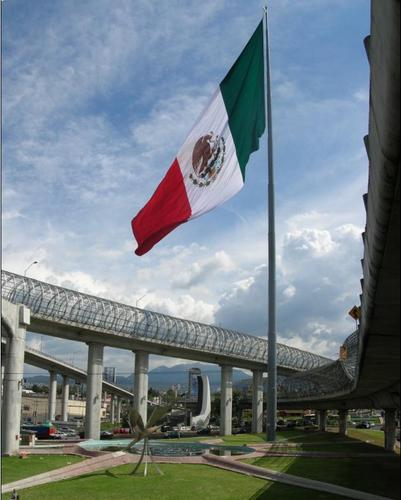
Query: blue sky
98	97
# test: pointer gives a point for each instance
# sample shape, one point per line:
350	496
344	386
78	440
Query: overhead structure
367	373
81	313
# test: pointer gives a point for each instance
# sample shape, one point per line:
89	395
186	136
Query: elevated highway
368	376
45	361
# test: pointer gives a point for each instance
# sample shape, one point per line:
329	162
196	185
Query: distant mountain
163	377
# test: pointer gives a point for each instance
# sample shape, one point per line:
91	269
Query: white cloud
309	242
289	292
183	306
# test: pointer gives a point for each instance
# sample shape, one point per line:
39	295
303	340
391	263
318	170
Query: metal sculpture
143	432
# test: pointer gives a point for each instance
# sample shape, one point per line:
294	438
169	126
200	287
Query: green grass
180	482
15	468
375	437
106	426
241	439
379	476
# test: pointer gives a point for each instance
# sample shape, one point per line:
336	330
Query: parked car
171	434
106	435
58	435
166	428
68	432
363	425
204	432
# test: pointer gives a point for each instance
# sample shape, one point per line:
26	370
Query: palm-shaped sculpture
143	432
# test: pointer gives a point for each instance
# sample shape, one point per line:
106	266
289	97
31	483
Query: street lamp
137	300
30	265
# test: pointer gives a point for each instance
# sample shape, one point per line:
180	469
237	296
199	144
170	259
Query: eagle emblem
207	159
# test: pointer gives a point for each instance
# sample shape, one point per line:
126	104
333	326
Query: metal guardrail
59	304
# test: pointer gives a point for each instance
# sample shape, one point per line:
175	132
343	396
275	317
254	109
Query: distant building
35	408
109	374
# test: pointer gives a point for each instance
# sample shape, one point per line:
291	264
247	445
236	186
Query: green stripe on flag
243	94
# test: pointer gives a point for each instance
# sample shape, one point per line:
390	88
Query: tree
215	405
170	396
152	393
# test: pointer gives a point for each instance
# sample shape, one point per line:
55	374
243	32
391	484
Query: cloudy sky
98	97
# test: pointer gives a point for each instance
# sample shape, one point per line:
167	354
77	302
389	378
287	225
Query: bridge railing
334	378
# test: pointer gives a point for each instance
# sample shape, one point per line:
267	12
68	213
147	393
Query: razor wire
334	378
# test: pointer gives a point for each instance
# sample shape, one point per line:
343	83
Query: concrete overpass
68	314
368	375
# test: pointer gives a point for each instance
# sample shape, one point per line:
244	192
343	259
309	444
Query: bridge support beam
64	400
342	422
3	365
322	420
141	384
226	400
51	412
257	401
94	390
112	408
16	319
390	428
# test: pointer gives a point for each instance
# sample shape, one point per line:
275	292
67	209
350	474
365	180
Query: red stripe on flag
168	208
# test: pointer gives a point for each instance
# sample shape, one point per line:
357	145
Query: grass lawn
380	476
180	482
14	468
241	439
375	437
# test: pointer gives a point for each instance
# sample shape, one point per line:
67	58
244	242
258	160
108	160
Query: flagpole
271	399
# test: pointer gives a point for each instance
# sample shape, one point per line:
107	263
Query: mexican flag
210	166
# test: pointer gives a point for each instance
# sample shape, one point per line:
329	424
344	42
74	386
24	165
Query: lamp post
140	298
30	265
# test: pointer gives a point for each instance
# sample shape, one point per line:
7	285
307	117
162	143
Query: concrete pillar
112	408
16	318
51	414
119	401
94	390
226	400
141	384
257	401
322	420
390	428
3	364
64	401
342	422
